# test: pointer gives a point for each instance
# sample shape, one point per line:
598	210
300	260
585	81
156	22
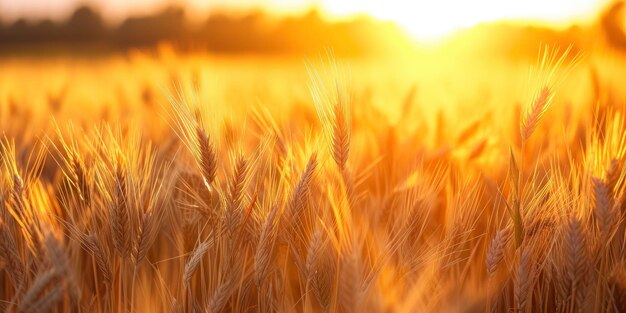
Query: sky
421	17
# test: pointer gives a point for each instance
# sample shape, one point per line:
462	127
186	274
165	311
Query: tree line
255	32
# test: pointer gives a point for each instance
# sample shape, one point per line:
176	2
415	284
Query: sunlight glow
433	19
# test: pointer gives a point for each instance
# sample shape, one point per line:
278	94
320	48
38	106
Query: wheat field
153	182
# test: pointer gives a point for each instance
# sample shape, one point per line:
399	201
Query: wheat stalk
265	248
30	302
120	224
602	208
81	178
538	108
319	270
495	253
194	260
93	244
234	202
147	232
350	287
575	261
515	209
220	297
10	254
523	279
207	157
341	133
48	301
301	191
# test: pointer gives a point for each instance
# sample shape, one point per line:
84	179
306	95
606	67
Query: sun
434	19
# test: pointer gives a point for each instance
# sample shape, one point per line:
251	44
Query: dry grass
321	200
